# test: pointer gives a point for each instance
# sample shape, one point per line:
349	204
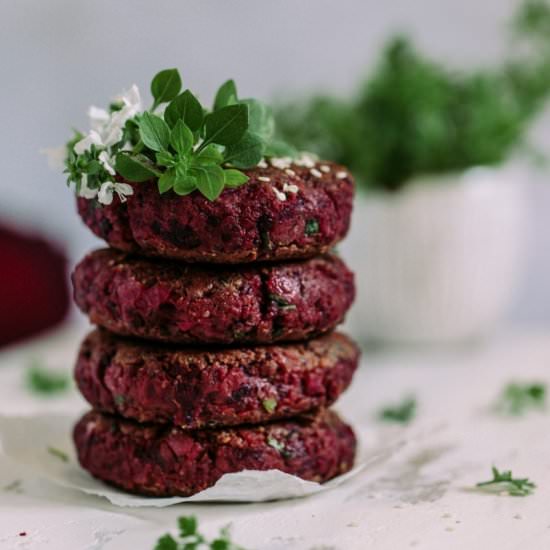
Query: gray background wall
59	56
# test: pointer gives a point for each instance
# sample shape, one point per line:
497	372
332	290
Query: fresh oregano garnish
401	413
518	398
44	381
184	148
189	538
503	482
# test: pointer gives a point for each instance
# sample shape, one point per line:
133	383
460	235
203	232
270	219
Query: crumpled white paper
29	441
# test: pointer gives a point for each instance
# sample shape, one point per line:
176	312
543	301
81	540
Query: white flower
93	138
106	162
107	128
98	118
85	191
105	195
131	100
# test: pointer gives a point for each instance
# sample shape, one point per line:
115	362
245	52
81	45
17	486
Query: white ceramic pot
437	262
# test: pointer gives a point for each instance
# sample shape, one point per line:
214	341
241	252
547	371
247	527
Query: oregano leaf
246	153
260	119
234	178
154	132
227	125
166	181
226	95
165	86
186	185
185	107
210	180
134	168
211	154
181	138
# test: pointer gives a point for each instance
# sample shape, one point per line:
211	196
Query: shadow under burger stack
215	349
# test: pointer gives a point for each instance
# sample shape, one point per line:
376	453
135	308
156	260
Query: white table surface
420	498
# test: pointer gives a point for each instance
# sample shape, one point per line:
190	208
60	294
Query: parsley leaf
402	413
504	482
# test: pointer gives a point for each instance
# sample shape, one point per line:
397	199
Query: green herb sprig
505	482
402	413
43	381
189	538
518	398
184	148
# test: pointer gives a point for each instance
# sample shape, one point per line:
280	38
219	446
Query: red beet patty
183	303
161	460
280	213
200	388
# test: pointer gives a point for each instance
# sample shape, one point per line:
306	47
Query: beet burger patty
199	388
182	303
284	211
161	460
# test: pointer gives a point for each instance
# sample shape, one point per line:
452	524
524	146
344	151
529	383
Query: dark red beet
33	286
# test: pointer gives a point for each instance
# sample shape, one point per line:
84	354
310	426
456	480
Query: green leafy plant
414	116
517	399
505	482
43	381
402	413
189	538
184	148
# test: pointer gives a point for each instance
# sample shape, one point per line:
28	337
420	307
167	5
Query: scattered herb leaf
58	454
518	398
43	381
504	482
402	413
189	538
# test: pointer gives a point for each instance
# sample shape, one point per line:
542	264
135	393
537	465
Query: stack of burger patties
215	351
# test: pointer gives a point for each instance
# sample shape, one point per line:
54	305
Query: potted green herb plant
438	232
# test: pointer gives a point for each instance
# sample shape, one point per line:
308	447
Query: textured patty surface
167	461
186	303
296	212
199	388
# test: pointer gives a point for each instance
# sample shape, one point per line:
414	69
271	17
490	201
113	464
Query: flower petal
106	162
93	138
105	195
85	191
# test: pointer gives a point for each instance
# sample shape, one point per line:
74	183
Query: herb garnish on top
184	147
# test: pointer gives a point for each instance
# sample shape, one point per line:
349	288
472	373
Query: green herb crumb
269	404
312	227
